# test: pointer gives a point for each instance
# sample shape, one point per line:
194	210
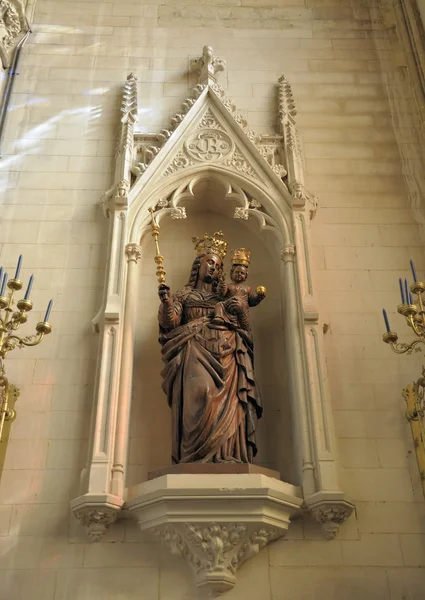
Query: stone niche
207	172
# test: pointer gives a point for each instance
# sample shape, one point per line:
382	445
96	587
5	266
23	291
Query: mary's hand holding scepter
163	289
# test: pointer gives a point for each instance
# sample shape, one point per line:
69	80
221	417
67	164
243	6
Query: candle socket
418	287
407	310
43	327
390	337
3	302
24	305
14	284
401	308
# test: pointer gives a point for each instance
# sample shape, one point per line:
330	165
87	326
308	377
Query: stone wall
57	160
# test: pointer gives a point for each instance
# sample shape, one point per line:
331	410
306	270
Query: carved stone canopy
214	522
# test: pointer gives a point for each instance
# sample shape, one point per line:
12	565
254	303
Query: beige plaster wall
57	157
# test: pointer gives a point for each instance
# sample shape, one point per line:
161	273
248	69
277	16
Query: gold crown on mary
214	244
241	257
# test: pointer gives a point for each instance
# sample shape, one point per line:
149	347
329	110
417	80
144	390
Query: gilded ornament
214	244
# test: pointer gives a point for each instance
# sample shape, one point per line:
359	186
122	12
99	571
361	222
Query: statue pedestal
215	521
213	469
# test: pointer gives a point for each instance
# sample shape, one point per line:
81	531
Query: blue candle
387	324
412	266
1	272
18	267
401	290
27	293
3	285
406	289
49	308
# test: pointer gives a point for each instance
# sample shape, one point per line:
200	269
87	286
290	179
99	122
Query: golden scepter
160	272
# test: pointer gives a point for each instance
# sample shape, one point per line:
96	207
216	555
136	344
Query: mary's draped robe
209	380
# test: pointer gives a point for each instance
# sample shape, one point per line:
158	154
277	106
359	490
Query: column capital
133	252
287	254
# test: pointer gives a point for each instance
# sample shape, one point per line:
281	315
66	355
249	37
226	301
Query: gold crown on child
211	244
241	257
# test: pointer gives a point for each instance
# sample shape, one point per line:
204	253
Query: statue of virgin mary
209	365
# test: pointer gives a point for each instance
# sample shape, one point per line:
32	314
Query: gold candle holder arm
10	342
159	259
391	338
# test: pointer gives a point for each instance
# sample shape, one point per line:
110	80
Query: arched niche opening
209	208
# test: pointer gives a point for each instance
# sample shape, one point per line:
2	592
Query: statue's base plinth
214	515
213	469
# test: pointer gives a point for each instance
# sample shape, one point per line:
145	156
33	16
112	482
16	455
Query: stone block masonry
57	152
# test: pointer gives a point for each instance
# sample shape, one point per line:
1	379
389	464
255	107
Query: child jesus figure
238	290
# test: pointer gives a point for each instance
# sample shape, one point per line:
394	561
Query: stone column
297	371
133	253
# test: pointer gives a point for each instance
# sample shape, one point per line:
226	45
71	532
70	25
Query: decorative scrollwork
208	121
239	162
209	145
180	161
241	213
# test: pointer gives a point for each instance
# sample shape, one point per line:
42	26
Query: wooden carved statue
208	352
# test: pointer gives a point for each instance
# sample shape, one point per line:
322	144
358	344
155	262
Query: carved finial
129	99
286	102
208	66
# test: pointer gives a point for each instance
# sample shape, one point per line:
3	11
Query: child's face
239	274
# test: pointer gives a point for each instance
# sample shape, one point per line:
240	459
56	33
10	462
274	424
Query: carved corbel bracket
116	198
214	523
216	550
96	512
330	510
302	197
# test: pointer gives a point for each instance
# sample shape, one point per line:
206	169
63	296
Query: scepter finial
160	272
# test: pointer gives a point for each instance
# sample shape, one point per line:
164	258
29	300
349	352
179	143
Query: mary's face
209	268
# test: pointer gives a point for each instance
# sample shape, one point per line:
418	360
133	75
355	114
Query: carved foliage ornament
215	551
134	252
331	516
96	520
10	23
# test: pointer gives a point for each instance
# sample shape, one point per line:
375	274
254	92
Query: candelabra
414	394
12	316
413	311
